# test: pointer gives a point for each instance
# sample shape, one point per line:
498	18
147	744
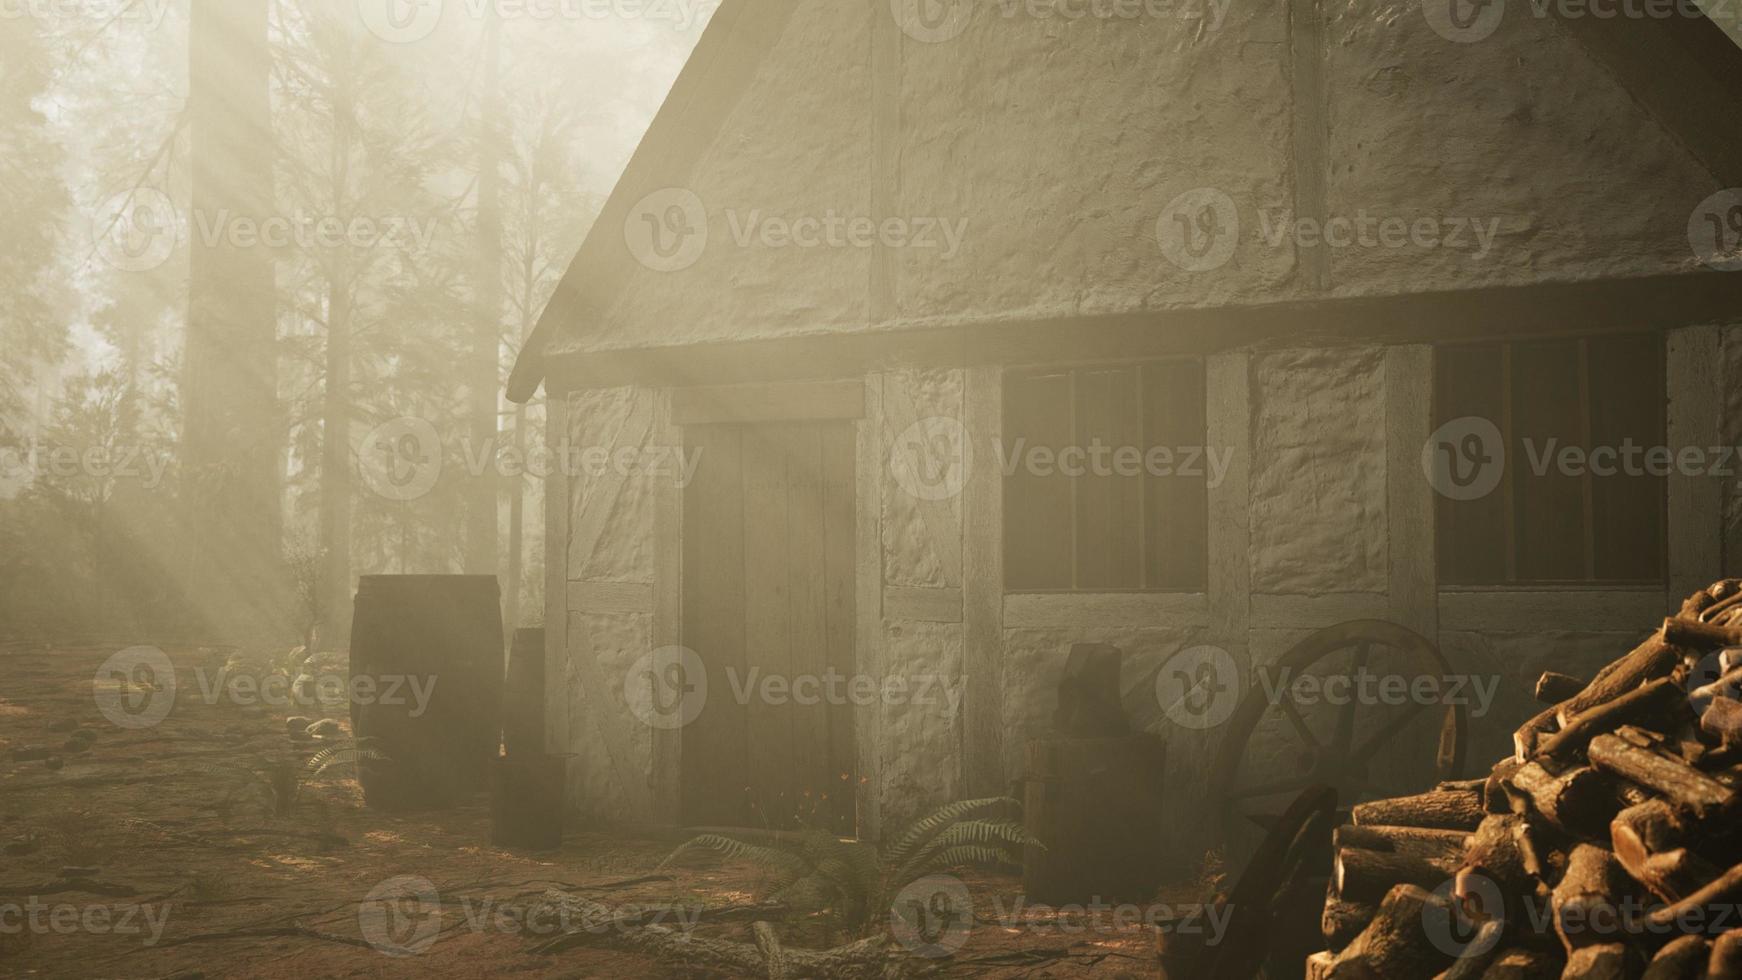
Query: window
1577	499
1106	478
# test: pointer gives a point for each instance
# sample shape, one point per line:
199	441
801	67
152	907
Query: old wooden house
872	254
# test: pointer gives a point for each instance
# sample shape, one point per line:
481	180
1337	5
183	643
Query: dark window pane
1037	508
1176	507
1108	505
1471	539
1548	502
1627	410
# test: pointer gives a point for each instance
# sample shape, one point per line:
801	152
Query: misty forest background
254	372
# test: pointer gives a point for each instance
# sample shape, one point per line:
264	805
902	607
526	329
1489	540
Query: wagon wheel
1272	909
1337	757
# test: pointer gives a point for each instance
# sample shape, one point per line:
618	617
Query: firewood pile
1609	845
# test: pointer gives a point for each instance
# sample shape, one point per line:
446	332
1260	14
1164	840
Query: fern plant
813	870
277	783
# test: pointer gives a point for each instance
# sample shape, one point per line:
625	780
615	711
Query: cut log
1432	843
1674	875
1495	798
1580	802
1661	702
1726	958
1524	963
1607	961
1343	920
1494	852
1554	687
1682	958
1394	943
1700	637
1647	662
1638	832
1587	900
1531	734
1674	779
1450	810
1707	911
1482	950
1723	720
1367	876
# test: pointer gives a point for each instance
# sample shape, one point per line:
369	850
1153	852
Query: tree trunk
231	433
481	499
336	483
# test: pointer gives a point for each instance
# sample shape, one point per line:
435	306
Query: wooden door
768	606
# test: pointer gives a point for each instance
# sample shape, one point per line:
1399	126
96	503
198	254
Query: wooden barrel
436	638
1095	806
526	801
523	696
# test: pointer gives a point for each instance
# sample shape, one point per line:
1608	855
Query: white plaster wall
1318	472
1061	143
611	770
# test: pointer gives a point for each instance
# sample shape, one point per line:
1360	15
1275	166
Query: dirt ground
138	852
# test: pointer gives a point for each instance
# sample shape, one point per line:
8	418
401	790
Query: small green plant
813	870
276	783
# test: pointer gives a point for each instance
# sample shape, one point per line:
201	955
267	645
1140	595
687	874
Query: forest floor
120	858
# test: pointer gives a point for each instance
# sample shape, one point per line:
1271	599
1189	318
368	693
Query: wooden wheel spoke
1288	784
1345	730
1372	743
1296	720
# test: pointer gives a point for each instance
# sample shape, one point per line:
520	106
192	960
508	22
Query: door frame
855	400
